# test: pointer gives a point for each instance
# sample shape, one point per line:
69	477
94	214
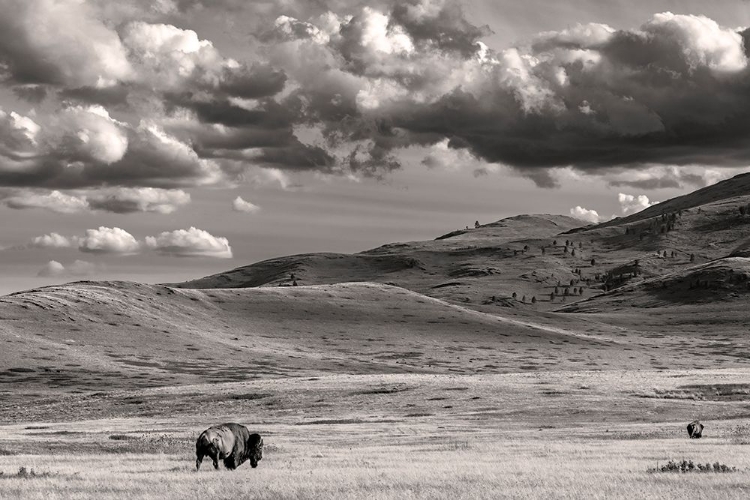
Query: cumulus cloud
129	200
117	200
240	205
78	268
90	54
54	201
52	268
190	243
52	240
133	101
631	204
108	240
88	132
585	214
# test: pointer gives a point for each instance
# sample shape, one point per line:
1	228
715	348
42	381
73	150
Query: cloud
115	241
240	205
52	268
190	243
52	240
131	100
38	45
88	133
78	268
129	200
106	240
115	200
632	204
55	201
585	214
442	156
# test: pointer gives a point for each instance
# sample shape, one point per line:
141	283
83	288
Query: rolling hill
537	257
622	294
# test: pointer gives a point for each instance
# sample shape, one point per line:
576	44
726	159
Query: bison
231	443
695	429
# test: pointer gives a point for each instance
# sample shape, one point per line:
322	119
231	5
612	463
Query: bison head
254	449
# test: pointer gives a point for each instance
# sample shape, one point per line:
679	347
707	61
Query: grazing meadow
589	435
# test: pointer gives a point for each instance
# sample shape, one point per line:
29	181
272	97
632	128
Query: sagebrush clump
685	466
25	473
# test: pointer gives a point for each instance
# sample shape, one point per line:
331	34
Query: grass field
553	435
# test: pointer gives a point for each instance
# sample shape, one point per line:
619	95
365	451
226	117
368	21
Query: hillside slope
546	261
468	267
111	334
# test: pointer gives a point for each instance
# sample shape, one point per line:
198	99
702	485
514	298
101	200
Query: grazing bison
695	429
231	443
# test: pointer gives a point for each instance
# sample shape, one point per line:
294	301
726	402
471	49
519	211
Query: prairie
532	357
542	435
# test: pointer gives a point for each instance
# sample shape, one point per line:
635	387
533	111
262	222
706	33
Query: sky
160	141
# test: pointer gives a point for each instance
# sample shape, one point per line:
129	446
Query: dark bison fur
695	429
231	443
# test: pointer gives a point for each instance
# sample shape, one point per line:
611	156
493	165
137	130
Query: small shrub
25	473
122	437
686	466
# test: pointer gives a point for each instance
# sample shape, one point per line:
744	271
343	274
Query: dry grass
598	440
525	466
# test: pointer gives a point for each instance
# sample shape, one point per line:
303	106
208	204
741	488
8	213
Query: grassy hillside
118	334
550	261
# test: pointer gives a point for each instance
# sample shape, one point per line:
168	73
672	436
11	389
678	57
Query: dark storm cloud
673	91
446	27
31	93
298	156
371	80
254	82
114	96
267	113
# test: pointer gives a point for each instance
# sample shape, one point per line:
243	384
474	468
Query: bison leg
198	460
216	462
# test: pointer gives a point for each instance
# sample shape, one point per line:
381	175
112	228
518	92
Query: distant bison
695	429
231	443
